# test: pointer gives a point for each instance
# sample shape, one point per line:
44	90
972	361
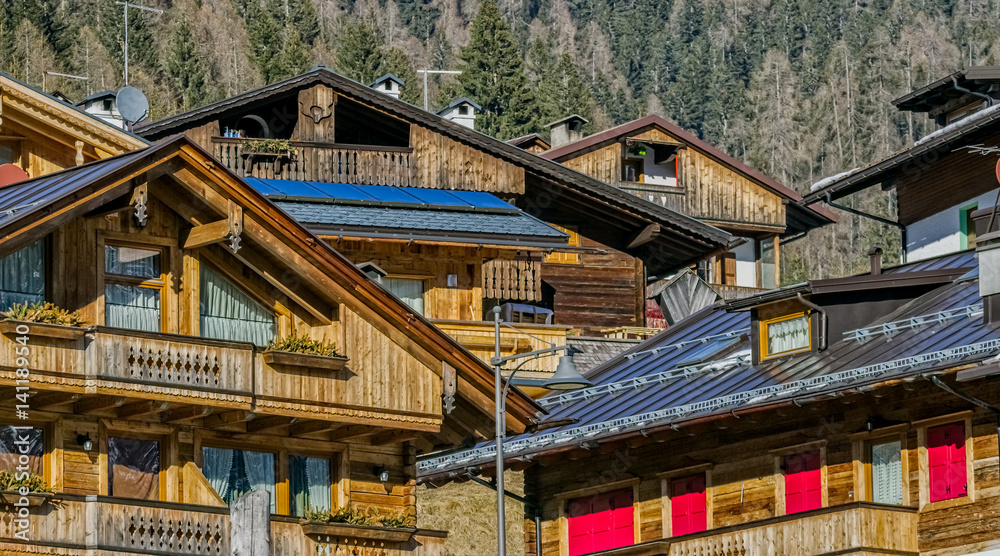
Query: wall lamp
85	441
382	473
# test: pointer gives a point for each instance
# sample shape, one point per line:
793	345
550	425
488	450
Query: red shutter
601	522
688	505
803	482
946	470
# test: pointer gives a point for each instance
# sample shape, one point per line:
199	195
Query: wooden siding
709	190
743	454
443	163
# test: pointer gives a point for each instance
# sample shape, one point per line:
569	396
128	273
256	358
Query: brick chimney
566	130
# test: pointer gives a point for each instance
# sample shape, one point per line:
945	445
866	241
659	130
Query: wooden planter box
256	154
387	534
305	360
43	330
35	499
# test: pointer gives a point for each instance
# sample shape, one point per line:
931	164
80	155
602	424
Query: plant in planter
305	353
14	486
45	313
303	344
267	146
371	517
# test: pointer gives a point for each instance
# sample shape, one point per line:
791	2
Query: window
134	285
463	110
9	153
884	471
233	473
18	441
309	484
410	291
688	510
22	276
601	522
227	313
967	226
133	468
632	170
107	105
946	462
803	482
566	258
785	335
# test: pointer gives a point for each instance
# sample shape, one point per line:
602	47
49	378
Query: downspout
954	83
536	507
822	319
969	398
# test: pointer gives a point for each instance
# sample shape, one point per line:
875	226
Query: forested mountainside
798	88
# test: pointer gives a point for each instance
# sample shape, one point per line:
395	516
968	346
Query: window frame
667	508
336	470
924	503
423	279
861	448
17	157
159	285
51	460
779	456
562	499
764	347
273	308
144	431
562	257
47	268
965	226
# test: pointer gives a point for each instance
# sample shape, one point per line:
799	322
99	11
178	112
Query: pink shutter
688	505
946	469
624	519
580	541
803	482
600	522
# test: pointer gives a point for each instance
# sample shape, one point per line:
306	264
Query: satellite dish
132	104
11	174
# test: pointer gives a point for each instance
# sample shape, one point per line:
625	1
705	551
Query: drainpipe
954	83
536	507
822	319
969	398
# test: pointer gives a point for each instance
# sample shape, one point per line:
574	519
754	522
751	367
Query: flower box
43	330
387	534
305	360
35	499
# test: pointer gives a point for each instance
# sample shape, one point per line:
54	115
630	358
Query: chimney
462	112
875	255
988	253
566	130
388	84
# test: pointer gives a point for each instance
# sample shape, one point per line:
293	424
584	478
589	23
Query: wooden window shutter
688	505
728	260
803	482
946	470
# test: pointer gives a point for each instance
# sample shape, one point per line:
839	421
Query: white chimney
388	84
566	130
103	105
462	112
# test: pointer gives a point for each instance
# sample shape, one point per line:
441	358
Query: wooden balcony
669	196
326	162
858	529
477	337
99	525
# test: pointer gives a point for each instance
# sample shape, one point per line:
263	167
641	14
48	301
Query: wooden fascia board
310	257
51	135
97	133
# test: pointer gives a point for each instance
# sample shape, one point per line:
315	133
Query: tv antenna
128	5
132	105
426	71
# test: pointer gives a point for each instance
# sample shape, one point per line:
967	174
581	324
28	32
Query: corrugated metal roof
951	261
655	383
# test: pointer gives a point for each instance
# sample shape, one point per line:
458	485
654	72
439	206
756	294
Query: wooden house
331	130
658	161
851	416
171	399
945	177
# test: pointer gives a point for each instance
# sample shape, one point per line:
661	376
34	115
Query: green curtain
409	291
233	473
22	276
309	480
227	313
132	307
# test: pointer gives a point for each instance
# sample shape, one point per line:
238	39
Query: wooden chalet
850	416
41	134
167	404
945	177
664	164
331	130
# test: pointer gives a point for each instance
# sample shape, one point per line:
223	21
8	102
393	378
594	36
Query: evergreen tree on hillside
303	16
263	32
141	50
361	54
400	65
185	67
293	58
493	76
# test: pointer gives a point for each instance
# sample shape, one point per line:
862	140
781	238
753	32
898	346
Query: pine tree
400	65
493	76
293	58
303	16
263	32
186	68
361	54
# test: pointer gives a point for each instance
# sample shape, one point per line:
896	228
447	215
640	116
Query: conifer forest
799	89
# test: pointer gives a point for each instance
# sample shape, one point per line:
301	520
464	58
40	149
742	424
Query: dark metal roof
942	90
671	390
463	100
683	240
962	260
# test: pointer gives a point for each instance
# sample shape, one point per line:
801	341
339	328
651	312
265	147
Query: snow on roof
827	181
966	120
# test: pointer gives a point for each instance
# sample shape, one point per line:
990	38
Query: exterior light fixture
567	376
382	473
85	441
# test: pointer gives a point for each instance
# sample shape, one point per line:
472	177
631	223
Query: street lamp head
566	377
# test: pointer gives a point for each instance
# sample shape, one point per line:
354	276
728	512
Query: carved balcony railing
670	196
79	525
326	162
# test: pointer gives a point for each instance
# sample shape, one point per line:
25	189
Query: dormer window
785	335
463	110
107	105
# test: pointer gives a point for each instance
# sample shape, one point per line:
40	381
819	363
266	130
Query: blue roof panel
460	200
438	197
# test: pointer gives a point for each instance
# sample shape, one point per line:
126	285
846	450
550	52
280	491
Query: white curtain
22	276
260	474
788	335
887	473
217	465
130	261
309	480
227	313
132	307
410	292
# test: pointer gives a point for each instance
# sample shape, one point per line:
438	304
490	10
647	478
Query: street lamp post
566	377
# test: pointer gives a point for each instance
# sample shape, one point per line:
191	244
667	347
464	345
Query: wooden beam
141	409
52	399
269	423
189	413
645	236
214	232
353	431
228	418
393	437
98	404
313	427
